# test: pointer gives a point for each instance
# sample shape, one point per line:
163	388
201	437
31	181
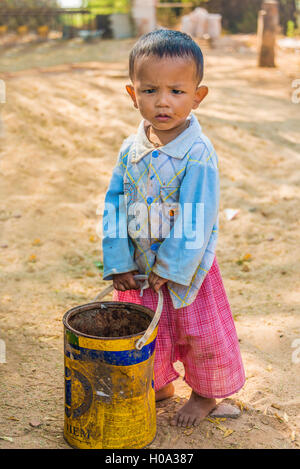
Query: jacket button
149	200
155	247
155	153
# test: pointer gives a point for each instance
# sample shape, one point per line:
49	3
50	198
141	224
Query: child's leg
164	372
203	337
208	347
165	392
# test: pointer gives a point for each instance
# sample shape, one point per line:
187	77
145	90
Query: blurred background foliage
107	7
238	16
43	8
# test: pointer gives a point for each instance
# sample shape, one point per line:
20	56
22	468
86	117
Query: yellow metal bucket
109	388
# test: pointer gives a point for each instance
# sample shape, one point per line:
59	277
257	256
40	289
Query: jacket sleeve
117	247
180	254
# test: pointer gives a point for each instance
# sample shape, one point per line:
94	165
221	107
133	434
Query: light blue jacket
161	211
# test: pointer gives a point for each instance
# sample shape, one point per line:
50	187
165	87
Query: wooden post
143	13
268	22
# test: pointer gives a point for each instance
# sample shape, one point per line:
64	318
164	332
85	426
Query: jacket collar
177	148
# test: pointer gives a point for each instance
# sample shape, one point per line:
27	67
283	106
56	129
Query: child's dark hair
167	43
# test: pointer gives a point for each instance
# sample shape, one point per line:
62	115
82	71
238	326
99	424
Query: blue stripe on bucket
121	358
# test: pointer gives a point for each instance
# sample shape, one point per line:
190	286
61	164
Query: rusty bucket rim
68	313
143	447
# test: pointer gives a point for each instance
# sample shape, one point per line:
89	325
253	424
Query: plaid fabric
202	336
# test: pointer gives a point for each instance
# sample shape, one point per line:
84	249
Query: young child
161	219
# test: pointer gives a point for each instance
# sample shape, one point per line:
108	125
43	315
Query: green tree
107	7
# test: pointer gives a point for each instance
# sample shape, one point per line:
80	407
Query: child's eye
148	91
177	91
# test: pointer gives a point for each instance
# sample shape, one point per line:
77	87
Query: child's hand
125	281
156	282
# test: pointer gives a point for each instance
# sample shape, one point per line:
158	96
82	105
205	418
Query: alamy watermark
2	351
296	354
2	101
296	93
2	92
159	220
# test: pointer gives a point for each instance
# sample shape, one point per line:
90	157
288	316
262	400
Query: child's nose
162	100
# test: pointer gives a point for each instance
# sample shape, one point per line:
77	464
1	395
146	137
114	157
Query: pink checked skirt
202	336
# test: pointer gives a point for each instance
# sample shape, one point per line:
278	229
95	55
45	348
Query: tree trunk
268	22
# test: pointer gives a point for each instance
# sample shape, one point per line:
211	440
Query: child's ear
200	94
131	92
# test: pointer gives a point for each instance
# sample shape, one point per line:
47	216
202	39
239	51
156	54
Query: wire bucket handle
141	342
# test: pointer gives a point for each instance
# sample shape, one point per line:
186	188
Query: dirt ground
64	119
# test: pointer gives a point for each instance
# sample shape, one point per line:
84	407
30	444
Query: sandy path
62	130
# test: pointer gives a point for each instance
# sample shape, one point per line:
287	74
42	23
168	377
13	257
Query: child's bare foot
165	392
195	410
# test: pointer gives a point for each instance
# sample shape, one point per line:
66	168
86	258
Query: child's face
165	90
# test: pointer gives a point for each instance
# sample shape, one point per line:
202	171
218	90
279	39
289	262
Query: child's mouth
162	117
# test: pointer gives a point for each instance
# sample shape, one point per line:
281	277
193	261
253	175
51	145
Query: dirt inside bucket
110	322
